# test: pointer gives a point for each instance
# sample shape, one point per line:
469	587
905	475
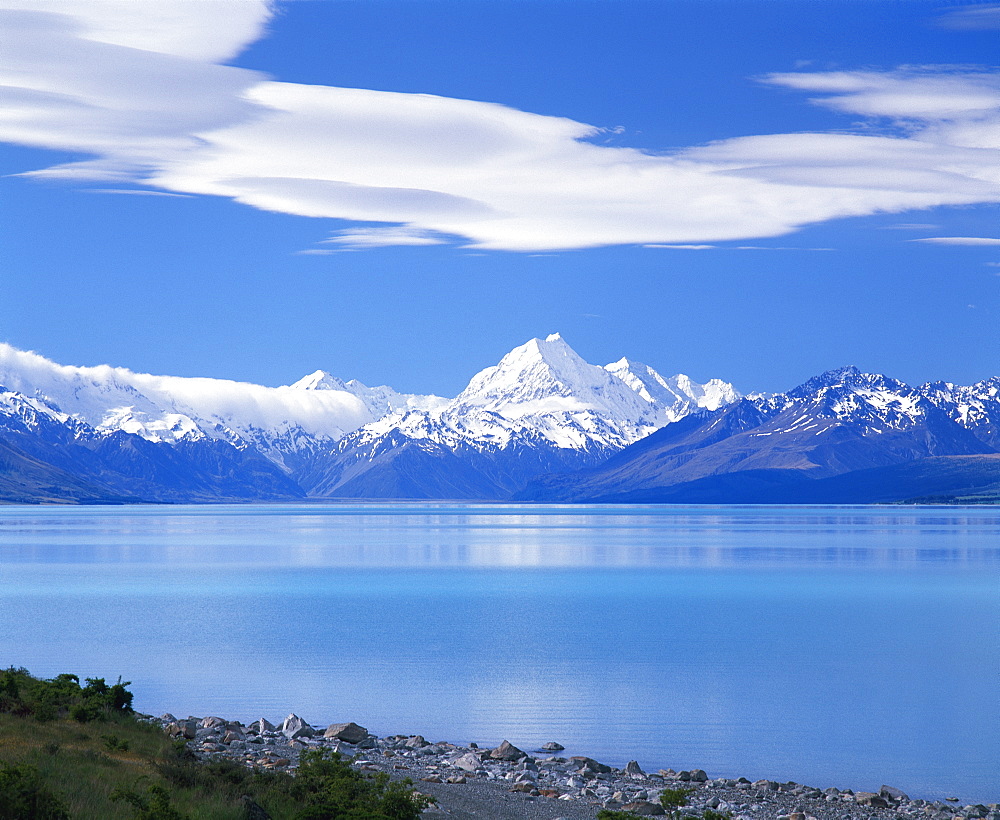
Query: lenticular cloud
144	93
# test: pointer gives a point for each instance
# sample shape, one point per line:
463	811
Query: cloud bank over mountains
141	88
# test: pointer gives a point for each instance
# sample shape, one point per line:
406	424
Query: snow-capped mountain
542	408
976	407
380	401
170	408
280	423
676	396
785	446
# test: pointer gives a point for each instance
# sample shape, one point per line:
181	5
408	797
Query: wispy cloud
135	192
959	240
385	237
141	87
680	247
983	17
777	248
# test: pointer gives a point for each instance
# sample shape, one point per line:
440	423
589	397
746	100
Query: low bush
331	790
673	799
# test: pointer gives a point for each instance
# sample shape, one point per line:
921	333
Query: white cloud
983	17
384	237
139	87
203	30
91	393
135	192
918	94
681	247
66	83
777	248
959	240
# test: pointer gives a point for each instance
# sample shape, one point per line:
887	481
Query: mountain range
91	434
540	425
841	437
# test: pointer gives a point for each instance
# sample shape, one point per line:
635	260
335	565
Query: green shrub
673	799
155	806
113	743
330	789
45	700
23	796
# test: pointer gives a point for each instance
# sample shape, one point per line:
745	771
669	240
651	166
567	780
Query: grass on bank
72	752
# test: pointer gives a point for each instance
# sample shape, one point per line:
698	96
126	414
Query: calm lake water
835	646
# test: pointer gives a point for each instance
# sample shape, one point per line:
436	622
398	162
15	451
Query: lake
833	646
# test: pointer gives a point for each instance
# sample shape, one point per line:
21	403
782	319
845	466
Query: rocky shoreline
506	783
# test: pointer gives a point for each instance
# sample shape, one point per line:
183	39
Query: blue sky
400	192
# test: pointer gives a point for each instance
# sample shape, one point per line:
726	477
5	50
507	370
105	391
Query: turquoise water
835	646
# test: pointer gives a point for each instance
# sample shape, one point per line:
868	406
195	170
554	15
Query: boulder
295	727
552	746
212	722
893	794
260	726
876	801
507	751
698	776
468	762
590	764
416	742
634	769
347	732
644	808
186	729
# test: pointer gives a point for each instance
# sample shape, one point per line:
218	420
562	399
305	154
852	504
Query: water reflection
437	535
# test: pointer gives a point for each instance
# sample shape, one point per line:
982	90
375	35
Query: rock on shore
507	783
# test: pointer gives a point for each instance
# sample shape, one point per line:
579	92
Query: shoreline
507	783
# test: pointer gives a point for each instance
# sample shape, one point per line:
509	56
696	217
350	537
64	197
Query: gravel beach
507	783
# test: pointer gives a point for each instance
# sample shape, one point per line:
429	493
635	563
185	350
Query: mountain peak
319	380
552	346
546	376
677	395
849	377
